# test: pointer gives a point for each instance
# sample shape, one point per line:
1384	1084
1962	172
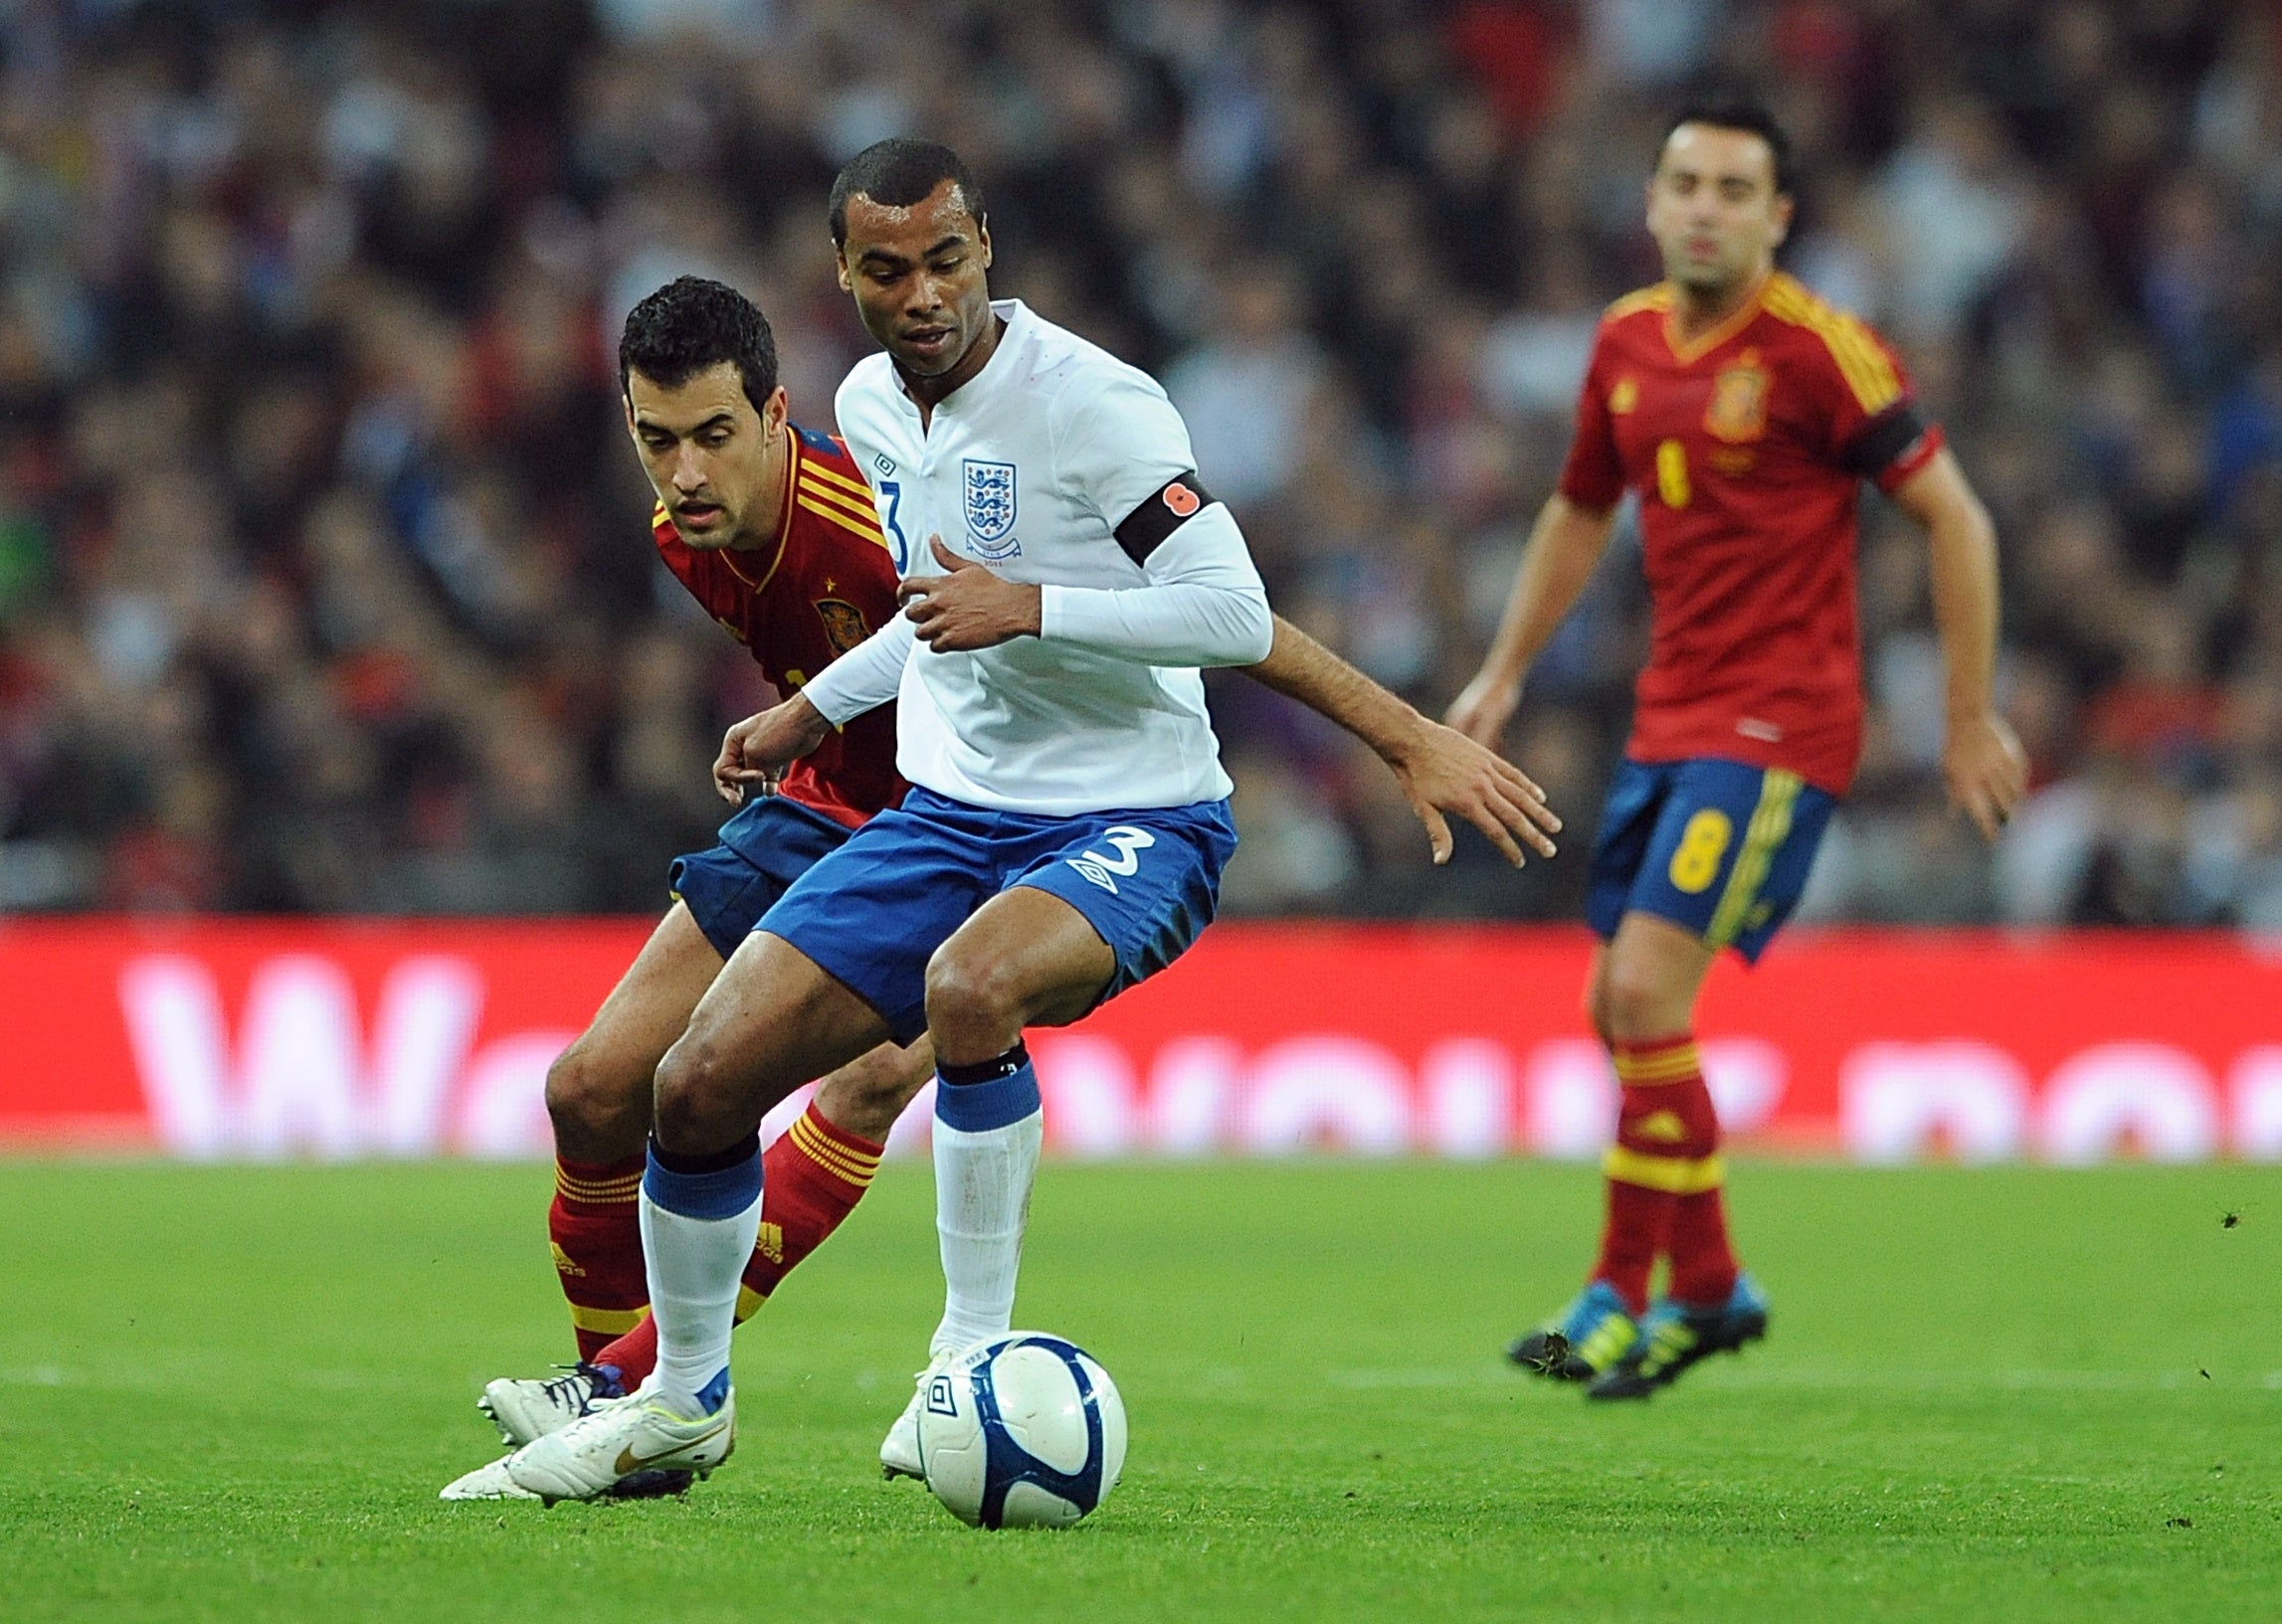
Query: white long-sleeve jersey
1057	465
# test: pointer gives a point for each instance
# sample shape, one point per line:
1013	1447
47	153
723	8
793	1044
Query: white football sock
982	1200
696	1266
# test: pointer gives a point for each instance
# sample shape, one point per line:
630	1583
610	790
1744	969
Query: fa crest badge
991	509
1738	409
844	626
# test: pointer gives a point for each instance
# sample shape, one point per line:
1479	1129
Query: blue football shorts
768	844
1716	846
872	912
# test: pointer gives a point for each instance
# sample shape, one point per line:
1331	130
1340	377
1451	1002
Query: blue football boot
1592	1335
1674	1336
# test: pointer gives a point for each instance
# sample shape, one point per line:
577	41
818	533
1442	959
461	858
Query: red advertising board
340	1038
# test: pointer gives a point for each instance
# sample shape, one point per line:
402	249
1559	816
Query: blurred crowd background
325	581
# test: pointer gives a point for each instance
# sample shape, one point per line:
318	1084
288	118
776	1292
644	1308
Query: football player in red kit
1744	414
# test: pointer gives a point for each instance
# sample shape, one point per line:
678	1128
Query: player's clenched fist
967	607
755	751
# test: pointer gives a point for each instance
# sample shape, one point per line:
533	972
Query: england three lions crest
991	509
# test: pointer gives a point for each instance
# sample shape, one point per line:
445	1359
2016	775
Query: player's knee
1597	1011
1635	1005
966	995
587	1099
694	1096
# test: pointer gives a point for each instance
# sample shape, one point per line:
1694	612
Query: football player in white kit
1067	823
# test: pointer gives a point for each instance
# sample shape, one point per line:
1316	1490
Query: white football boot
487	1482
523	1408
621	1439
900	1450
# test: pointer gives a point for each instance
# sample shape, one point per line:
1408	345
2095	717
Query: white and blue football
1021	1431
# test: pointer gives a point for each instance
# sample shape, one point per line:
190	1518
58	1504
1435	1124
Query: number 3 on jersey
1128	843
892	492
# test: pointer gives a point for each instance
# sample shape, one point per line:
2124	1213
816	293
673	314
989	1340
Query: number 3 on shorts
1695	864
1130	843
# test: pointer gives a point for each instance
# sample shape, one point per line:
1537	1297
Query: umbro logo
942	1397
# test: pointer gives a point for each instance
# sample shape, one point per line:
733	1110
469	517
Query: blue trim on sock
716	1392
721	1195
977	1108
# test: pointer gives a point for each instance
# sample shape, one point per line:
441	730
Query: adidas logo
1665	1127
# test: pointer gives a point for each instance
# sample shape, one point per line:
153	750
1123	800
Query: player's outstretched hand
756	752
1481	711
967	606
1443	771
1986	770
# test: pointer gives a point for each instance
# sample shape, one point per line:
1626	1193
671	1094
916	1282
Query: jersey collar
1689	352
784	521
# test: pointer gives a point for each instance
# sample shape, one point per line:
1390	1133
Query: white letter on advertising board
1326	1093
2255	1082
1092	1109
1746	1076
2158	1096
1192	1092
1896	1099
1468	1087
1571	1099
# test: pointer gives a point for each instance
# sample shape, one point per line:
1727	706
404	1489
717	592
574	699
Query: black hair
898	173
692	323
1748	117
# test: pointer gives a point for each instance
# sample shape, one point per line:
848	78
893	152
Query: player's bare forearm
1982	764
1961	546
1440	770
1565	546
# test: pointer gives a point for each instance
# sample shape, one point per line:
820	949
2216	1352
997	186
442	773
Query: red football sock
1639	1221
810	1179
595	1224
1667	1145
1704	1265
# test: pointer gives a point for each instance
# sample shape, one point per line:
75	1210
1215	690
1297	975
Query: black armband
1882	441
1164	509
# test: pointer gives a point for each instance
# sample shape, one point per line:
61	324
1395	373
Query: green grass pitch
2009	1394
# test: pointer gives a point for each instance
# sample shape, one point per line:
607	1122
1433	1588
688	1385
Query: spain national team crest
844	626
991	509
1738	409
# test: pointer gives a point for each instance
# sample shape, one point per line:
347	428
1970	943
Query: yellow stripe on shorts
1769	827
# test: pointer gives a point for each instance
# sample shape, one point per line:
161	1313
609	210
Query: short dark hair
1748	117
899	172
692	323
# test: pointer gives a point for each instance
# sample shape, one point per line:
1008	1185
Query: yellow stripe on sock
1675	1176
611	1321
849	1165
749	1302
1657	1068
616	1194
1769	827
